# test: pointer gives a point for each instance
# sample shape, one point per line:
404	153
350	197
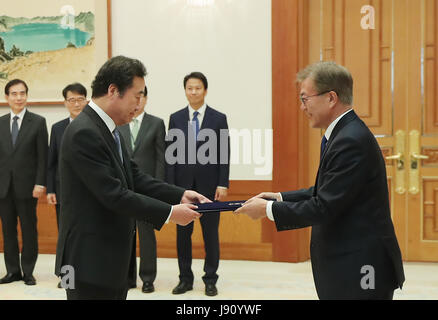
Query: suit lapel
207	119
5	127
108	137
141	132
350	116
25	127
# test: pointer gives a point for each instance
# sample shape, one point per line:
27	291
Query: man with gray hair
354	249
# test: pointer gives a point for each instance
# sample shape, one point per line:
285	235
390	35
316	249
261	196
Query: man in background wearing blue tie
23	154
210	179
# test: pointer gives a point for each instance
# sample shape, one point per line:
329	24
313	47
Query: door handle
419	156
399	157
414	174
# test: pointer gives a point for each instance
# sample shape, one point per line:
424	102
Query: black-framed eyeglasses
78	100
305	99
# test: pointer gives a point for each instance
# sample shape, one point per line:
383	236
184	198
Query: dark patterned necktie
14	131
323	143
118	144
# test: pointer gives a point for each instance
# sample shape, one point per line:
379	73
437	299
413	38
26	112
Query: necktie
323	143
119	146
14	131
134	131
196	121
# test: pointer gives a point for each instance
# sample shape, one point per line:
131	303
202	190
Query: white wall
229	41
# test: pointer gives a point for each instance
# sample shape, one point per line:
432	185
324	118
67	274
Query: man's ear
333	98
113	91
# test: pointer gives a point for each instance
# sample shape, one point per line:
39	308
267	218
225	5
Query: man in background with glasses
75	99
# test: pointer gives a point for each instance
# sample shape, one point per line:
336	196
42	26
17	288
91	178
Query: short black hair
196	75
13	83
145	91
119	71
76	88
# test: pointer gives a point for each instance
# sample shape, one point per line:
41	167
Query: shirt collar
20	115
332	125
140	117
103	115
201	110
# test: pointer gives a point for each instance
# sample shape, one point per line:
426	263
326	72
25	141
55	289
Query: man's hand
220	195
269	196
51	198
38	191
191	196
183	214
255	208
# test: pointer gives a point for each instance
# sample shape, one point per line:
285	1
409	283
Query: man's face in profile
128	105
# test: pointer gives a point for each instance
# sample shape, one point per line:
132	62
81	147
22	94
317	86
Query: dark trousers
58	210
11	209
86	291
210	231
148	254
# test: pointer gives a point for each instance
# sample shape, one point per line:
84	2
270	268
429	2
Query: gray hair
329	76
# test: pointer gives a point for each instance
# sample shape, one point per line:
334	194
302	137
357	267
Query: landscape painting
51	43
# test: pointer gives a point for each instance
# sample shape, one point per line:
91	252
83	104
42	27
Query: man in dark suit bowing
210	177
23	155
75	99
354	249
145	140
103	192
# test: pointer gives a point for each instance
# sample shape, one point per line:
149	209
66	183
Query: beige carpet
238	280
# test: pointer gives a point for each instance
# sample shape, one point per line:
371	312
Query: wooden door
390	47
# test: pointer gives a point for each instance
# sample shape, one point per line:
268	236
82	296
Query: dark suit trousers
86	291
210	231
12	208
58	210
148	254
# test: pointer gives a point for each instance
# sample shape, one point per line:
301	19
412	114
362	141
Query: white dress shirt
19	120
327	135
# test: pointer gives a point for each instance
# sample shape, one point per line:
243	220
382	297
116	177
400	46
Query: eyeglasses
74	100
305	99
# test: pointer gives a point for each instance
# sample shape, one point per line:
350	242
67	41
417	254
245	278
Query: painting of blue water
39	37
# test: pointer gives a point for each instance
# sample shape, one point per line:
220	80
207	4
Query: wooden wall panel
366	53
430	109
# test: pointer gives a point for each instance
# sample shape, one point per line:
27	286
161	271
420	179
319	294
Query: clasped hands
255	208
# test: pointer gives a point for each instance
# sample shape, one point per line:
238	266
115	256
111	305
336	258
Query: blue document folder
219	206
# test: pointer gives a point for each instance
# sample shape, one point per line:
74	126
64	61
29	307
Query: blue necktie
118	144
323	143
14	131
196	120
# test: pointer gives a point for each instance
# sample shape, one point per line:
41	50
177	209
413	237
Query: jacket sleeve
224	154
42	149
170	168
341	179
160	147
52	163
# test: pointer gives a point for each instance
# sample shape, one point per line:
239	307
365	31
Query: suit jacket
348	209
206	177
53	180
101	199
25	163
148	153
